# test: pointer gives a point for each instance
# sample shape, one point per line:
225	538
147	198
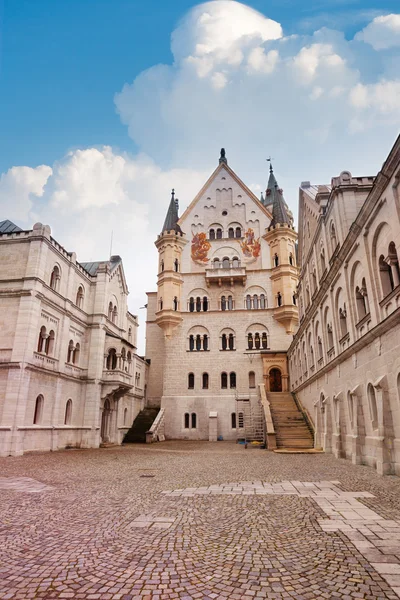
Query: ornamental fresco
200	248
250	245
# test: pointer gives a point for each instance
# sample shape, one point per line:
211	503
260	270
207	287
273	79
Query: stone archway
105	421
275	380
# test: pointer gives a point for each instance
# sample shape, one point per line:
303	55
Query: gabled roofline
244	187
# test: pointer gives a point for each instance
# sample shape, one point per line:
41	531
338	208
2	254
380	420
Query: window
130	328
212	234
129	361
205	304
362	301
320	348
276	260
219	234
312	356
291	262
110	311
224	381
250	341
70	351
198	304
55	278
162	266
255	301
248	302
175	303
232	380
75	354
231	341
373	410
216	263
161	303
294	299
330	336
111	363
38	414
279	299
238	232
323	262
191	343
176	265
191	381
187	420
68	412
191	304
194	420
115	315
233	420
224	342
198	342
235	262
125	416
205	342
223	303
231	232
262	301
79	297
205	381
252	379
230	303
343	320
333	237
225	263
264	340
42	339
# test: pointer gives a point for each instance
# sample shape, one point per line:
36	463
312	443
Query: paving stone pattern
216	521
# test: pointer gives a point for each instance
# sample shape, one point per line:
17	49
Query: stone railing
269	425
156	433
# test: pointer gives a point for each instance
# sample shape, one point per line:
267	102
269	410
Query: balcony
116	382
226	275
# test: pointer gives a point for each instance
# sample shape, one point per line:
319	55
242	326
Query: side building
344	361
225	308
69	372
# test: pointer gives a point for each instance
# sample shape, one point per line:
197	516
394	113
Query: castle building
69	372
225	309
344	361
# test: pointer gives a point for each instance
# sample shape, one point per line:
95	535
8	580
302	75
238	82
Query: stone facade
69	373
344	361
225	310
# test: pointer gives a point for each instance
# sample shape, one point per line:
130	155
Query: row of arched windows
255	341
176	265
198	304
113	312
121	361
218	234
226	263
205	380
39	408
55	279
198	342
227	302
256	302
46	341
73	352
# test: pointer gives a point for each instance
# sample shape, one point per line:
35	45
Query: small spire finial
271	170
222	158
172	194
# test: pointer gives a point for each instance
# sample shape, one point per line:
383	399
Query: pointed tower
170	244
282	240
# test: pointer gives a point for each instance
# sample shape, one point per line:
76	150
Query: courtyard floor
196	520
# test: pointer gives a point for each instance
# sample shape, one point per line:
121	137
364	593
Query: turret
170	244
282	240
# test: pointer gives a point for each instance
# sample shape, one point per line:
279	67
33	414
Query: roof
312	190
93	267
274	196
9	227
171	220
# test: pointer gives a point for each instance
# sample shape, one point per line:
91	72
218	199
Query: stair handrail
305	414
269	424
157	428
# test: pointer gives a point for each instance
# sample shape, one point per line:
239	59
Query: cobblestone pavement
196	520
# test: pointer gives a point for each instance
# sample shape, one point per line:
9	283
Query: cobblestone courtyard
196	520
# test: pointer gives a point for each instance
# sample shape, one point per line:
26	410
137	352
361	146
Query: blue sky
62	62
105	105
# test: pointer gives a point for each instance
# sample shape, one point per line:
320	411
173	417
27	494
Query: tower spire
172	218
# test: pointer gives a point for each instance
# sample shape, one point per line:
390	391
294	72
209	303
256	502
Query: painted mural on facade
250	245
200	248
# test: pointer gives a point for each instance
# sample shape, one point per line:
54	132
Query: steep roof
171	220
93	267
274	196
9	227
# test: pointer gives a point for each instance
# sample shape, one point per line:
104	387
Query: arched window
264	341
262	301
111	359
216	264
225	263
232	380
373	410
223	303
125	416
70	351
231	232
76	353
238	232
231	341
162	266
320	348
115	314
330	336
230	303
42	339
312	356
110	311
255	301
385	272
233	420
161	303
198	342
191	381
191	343
187	421
205	303
333	237
205	342
323	262
248	302
252	379
175	303
219	234
235	262
198	304
68	412
279	299
194	420
250	341
361	303
224	341
394	263
343	320
55	278
291	262
123	359
176	265
38	414
191	304
79	297
276	260
130	328
257	341
224	381
129	361
212	234
205	381
294	299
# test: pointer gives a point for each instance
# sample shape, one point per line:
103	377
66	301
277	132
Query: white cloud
19	186
382	33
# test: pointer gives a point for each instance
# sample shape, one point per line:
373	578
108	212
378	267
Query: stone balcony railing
226	276
44	361
116	375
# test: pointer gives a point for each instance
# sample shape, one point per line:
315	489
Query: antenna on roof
111	242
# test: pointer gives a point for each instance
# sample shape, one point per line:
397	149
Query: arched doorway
105	421
275	380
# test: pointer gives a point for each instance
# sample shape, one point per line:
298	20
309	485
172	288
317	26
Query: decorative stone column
383	454
355	442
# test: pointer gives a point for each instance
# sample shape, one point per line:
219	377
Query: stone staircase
292	430
142	424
